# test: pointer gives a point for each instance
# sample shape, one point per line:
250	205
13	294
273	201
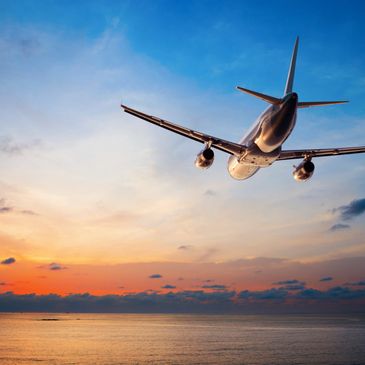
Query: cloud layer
275	300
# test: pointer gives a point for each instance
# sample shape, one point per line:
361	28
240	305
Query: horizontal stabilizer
308	104
268	98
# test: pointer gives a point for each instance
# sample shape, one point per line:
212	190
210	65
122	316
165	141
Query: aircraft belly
245	166
254	156
241	170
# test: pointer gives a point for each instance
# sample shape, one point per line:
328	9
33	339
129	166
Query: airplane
262	145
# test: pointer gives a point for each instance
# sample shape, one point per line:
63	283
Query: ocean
111	339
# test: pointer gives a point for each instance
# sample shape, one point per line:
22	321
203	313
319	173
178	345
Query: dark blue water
110	339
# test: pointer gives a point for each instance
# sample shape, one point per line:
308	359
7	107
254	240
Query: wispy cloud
339	227
8	261
215	287
28	212
326	278
168	286
352	210
208	254
210	192
184	247
53	266
10	147
289	282
155	276
290	285
5	208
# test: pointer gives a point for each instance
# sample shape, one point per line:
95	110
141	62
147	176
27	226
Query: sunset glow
95	201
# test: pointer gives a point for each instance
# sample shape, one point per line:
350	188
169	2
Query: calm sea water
110	339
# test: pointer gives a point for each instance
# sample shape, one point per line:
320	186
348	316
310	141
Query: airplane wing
322	152
218	143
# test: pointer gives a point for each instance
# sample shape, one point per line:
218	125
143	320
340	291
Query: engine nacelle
304	170
204	159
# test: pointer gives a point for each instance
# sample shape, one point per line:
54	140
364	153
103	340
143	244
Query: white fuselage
264	140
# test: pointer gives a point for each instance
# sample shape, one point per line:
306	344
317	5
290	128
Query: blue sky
219	45
84	183
193	37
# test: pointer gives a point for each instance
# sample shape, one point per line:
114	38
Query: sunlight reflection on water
110	339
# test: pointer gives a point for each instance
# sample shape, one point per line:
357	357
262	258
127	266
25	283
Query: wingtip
342	102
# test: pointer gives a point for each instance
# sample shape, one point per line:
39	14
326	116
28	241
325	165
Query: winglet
290	79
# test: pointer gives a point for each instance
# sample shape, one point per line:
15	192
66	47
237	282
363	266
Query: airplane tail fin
267	98
290	78
289	81
289	87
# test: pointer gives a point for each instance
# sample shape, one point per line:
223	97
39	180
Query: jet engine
304	170
205	158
